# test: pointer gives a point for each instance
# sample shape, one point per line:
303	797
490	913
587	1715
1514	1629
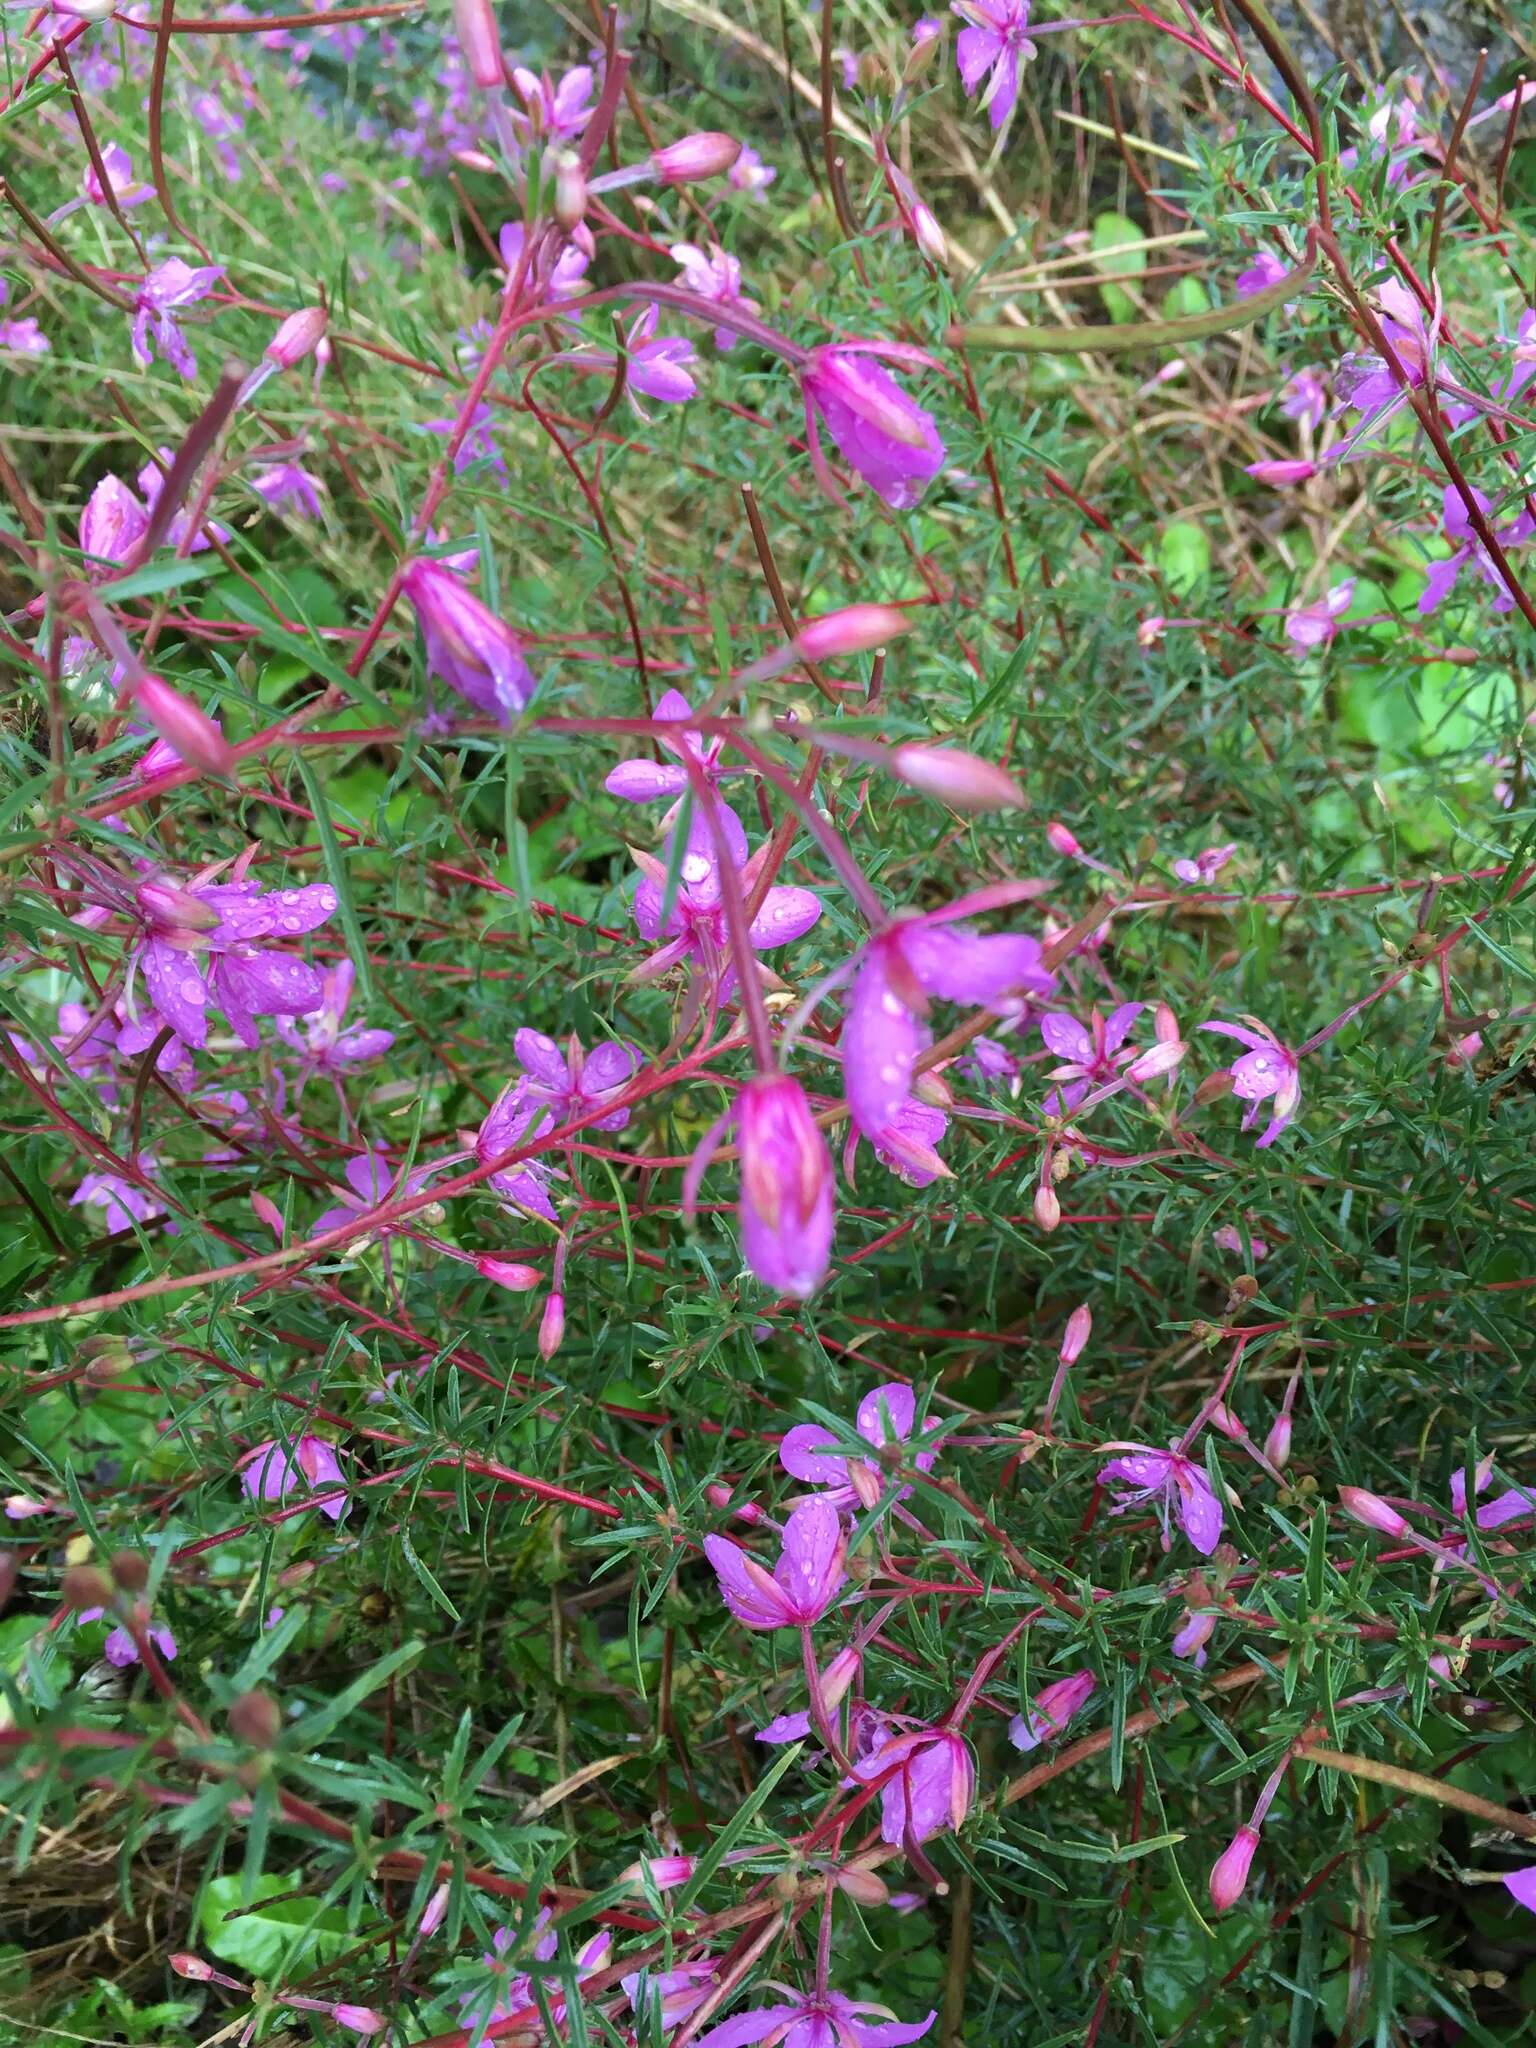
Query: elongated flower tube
468	647
880	432
786	1186
474	23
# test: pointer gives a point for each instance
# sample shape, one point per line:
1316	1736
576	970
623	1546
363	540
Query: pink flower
1371	384
655	366
1316	624
371	1181
1267	1069
1521	1886
1509	1506
1053	1707
118	165
907	1145
1440	577
1282	473
785	1209
551	112
309	1464
1265	270
1177	1484
927	1782
713	275
1205	867
695	931
677	1992
1229	1873
886	1032
1092	1054
562	279
21	337
749	173
171	285
644	782
285	483
881	433
517	1117
468	647
804	1582
886	1415
574	1083
1304	398
995	46
1192	1635
822	2019
325	1046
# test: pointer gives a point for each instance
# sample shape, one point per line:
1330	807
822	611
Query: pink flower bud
1277	1445
705	155
267	1212
1156	1061
1079	1329
1222	1418
853	630
1290	472
508	1273
1229	1873
1151	630
927	233
296	337
434	1912
963	781
663	1871
171	909
570	191
193	735
193	1967
472	650
1372	1510
864	1887
1046	1207
1063	841
362	2019
474	23
785	1208
839	1675
552	1327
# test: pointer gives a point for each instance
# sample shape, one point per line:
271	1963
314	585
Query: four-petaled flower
695	929
887	1415
1092	1054
646	782
926	1781
171	284
574	1083
995	46
1267	1069
804	1582
325	1046
712	274
1440	577
1176	1483
309	1464
821	2019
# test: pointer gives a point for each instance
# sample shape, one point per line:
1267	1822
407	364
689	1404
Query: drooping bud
83	1587
509	1273
552	1326
1063	841
361	2019
1287	472
1370	1509
720	1496
864	1887
113	522
963	781
1079	1329
474	23
434	1912
664	1872
1221	1418
709	154
267	1212
256	1718
854	630
106	1359
193	1967
1229	1873
1050	1710
296	337
468	647
195	736
1046	1207
786	1186
130	1571
1277	1445
865	1482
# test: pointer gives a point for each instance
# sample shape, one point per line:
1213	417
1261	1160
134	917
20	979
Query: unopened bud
706	155
474	23
1214	1087
864	1887
1062	840
130	1571
256	1718
1221	1418
664	1872
297	337
106	1359
865	1483
853	630
508	1273
1229	1873
1243	1290
83	1587
362	2019
552	1326
1282	473
1079	1329
267	1212
570	191
164	904
193	1967
1277	1445
1046	1207
434	1912
195	737
1370	1509
720	1496
963	781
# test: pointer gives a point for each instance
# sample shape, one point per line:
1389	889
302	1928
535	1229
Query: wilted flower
309	1464
881	433
1052	1708
1176	1484
804	1582
468	647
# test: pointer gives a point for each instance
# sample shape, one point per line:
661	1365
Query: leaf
275	1927
336	869
1116	242
1184	556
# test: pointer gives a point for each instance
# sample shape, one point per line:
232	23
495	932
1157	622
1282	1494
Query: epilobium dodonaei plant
767	854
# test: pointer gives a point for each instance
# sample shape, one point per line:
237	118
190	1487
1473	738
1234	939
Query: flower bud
705	155
267	1212
1063	841
721	1496
193	1967
570	191
1214	1087
552	1326
172	909
1221	1418
865	1482
1290	472
963	781
195	736
853	630
1046	1207
472	650
434	1912
474	23
362	2019
130	1571
1075	1336
83	1587
785	1207
1229	1873
1370	1509
1277	1445
106	1359
663	1871
509	1273
297	337
255	1718
864	1887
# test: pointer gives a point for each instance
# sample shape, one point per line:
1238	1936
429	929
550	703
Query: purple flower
516	1118
218	124
1440	577
1315	624
550	112
468	647
655	366
1192	1635
217	945
518	1993
371	1181
1206	866
919	957
804	1582
477	444
749	173
21	337
1092	1054
1052	1708
1283	473
120	1648
151	481
1493	1514
285	483
928	1783
715	276
122	1202
678	1992
880	432
696	929
172	284
326	1047
1267	1069
1521	1886
1266	269
573	1083
645	782
831	1684
562	279
1304	399
823	2019
1372	385
309	1464
118	165
907	1145
995	46
1177	1484
111	526
886	1415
